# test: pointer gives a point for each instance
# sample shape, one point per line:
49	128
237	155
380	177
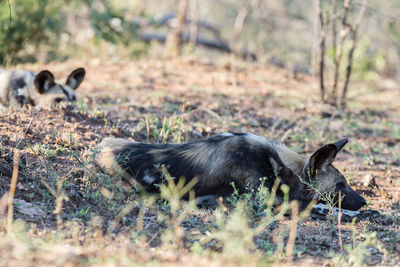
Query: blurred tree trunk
315	45
354	38
238	27
323	26
339	51
334	97
174	42
235	39
194	22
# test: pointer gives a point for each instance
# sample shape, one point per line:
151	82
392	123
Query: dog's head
323	177
52	93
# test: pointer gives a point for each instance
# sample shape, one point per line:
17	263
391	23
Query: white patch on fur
147	178
46	85
256	139
23	92
323	209
351	213
30	91
72	82
227	134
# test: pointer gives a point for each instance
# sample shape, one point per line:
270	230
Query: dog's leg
207	201
321	211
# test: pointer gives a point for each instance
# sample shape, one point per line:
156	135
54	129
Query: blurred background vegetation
282	33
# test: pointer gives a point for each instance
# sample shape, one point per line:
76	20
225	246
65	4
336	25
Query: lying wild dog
230	157
21	87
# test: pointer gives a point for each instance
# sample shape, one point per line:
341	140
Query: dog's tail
105	155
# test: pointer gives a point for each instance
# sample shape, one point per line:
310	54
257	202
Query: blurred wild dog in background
21	87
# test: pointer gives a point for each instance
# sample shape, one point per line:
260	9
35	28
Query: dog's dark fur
21	87
220	160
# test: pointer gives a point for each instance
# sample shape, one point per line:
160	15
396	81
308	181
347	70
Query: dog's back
216	161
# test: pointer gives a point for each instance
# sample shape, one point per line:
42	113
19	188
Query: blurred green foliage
279	32
37	25
110	25
367	64
32	22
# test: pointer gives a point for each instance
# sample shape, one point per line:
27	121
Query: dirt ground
135	100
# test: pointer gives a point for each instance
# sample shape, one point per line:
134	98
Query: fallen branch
165	20
218	45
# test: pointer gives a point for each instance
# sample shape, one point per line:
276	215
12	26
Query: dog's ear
324	156
340	144
321	158
44	80
276	167
75	78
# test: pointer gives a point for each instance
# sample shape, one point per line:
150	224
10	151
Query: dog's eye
58	100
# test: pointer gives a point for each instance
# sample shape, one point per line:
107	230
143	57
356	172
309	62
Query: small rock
370	181
32	210
197	133
20	187
254	123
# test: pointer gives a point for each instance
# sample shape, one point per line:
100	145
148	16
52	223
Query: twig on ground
293	230
339	221
14	180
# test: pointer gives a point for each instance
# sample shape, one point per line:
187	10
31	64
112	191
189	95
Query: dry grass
67	214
